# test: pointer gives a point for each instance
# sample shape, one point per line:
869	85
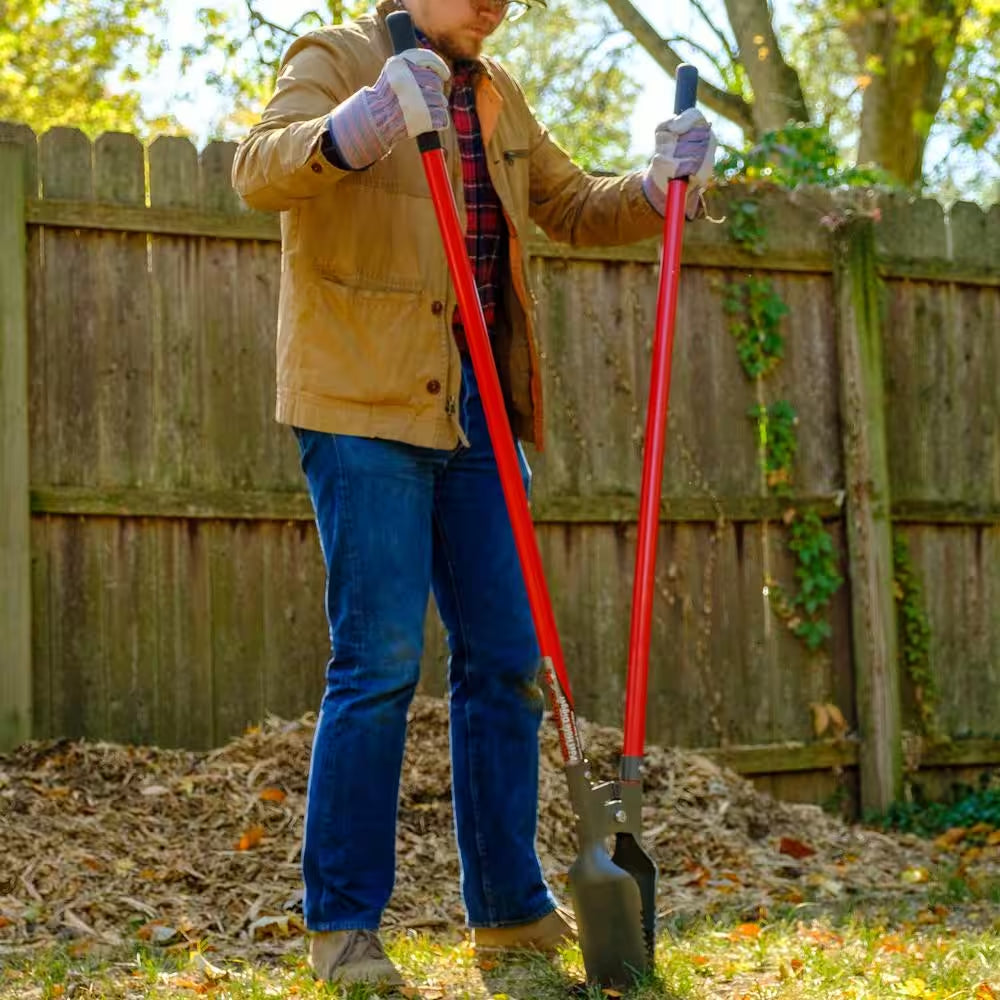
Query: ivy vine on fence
914	637
756	312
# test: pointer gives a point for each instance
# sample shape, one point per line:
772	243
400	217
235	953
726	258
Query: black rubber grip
686	94
401	31
404	37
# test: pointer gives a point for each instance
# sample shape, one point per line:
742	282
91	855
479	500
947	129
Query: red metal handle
470	308
636	691
637	683
471	312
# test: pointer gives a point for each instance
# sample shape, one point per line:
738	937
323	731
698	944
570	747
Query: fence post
15	514
869	526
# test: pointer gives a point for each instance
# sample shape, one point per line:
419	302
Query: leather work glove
685	147
406	100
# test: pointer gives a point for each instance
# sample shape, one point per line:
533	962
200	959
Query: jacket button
434	387
317	169
437	307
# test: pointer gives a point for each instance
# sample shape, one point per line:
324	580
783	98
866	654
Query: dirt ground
105	843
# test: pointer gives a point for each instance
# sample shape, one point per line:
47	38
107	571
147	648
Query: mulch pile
102	844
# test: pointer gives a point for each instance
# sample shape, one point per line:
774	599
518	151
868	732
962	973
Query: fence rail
162	580
69	214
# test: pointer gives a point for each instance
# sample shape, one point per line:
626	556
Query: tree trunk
901	103
778	97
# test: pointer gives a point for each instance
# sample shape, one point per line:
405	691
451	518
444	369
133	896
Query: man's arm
281	160
572	206
575	207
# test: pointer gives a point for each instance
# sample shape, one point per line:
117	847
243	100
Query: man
374	376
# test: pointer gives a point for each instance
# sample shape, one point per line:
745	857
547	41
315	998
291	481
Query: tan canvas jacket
364	341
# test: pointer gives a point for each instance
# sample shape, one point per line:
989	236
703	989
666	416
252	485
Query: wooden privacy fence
162	581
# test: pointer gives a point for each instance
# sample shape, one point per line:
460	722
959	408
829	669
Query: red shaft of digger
471	311
652	473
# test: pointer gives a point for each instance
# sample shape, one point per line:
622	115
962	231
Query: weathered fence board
66	339
15	551
237	600
78	691
184	635
176	585
943	386
136	677
176	321
959	568
296	633
868	514
123	377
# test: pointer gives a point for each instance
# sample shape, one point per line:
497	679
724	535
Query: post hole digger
614	893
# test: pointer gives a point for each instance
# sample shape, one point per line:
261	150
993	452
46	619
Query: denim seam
470	744
356	622
359	614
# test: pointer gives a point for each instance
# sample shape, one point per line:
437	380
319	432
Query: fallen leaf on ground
287	925
795	848
891	943
950	837
205	967
157	932
250	839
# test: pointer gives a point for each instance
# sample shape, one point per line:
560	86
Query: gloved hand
406	100
685	147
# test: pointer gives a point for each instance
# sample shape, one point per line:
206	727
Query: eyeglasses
511	9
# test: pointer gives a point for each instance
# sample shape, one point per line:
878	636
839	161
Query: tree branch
716	30
723	102
257	20
698	47
777	91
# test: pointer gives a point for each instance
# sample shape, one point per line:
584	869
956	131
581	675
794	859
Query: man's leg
373	502
496	703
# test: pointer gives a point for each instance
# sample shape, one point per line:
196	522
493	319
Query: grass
794	957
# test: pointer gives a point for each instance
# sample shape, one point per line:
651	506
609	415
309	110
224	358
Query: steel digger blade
607	897
631	856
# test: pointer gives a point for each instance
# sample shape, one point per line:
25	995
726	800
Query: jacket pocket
514	166
366	285
379	346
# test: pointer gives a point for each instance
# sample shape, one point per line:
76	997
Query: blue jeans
394	521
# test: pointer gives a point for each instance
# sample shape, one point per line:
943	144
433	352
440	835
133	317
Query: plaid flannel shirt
486	230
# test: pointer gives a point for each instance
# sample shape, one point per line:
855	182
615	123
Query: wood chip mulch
103	844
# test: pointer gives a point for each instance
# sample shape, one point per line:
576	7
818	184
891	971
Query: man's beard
455	50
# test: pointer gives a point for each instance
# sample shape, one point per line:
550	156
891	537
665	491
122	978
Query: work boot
548	934
345	957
